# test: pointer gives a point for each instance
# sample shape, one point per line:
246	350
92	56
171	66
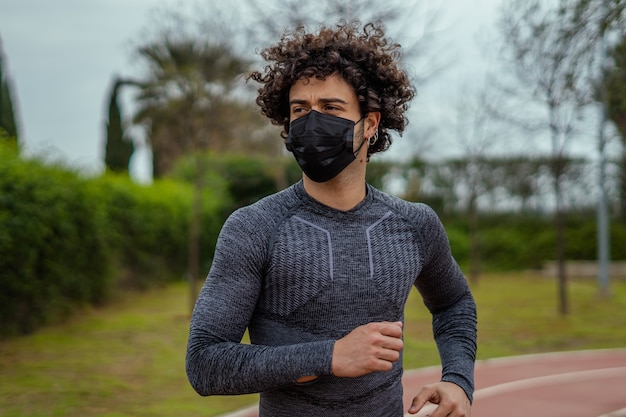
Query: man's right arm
225	368
217	363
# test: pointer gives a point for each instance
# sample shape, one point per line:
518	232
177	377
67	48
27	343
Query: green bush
521	242
618	237
238	180
140	219
67	241
149	228
459	243
53	255
249	179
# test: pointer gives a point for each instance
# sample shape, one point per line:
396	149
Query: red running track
572	384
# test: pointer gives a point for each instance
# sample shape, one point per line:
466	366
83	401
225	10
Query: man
320	272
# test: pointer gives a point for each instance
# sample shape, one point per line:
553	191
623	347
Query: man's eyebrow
323	100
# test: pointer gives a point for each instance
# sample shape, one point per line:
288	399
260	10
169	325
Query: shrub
237	179
66	240
53	255
149	228
521	242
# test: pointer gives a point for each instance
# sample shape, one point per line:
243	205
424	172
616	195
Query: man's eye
299	111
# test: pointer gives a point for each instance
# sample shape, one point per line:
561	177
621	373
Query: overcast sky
62	55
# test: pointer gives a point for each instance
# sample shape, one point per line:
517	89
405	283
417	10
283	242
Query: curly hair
365	59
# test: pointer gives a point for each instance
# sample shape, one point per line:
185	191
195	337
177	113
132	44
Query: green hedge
53	253
67	241
524	242
239	179
149	229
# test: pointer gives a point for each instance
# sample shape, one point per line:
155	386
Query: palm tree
182	101
186	106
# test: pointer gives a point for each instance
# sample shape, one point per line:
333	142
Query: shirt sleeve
447	295
217	362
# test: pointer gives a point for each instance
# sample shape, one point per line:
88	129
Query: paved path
574	384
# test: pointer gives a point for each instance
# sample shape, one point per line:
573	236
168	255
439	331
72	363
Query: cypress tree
8	125
118	148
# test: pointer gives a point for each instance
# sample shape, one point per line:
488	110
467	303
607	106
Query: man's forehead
330	89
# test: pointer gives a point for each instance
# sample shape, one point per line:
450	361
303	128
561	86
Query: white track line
549	380
616	413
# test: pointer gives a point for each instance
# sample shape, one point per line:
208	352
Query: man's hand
451	399
368	348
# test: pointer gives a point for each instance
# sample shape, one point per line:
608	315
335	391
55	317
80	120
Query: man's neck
340	193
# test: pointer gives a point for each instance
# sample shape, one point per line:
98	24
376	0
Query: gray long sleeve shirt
300	275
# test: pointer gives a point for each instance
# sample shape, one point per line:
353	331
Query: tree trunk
560	254
623	182
559	219
194	233
474	241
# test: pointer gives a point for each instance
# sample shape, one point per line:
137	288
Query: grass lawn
127	359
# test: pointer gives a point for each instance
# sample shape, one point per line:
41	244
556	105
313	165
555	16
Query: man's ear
371	123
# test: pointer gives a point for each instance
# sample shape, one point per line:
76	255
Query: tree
118	147
598	20
476	136
547	56
187	103
410	23
8	122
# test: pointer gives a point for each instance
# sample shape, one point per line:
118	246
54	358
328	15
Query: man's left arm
447	295
454	330
455	334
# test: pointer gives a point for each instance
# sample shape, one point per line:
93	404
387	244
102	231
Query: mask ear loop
359	148
363	141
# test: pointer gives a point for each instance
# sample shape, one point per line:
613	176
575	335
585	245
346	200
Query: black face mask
322	144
